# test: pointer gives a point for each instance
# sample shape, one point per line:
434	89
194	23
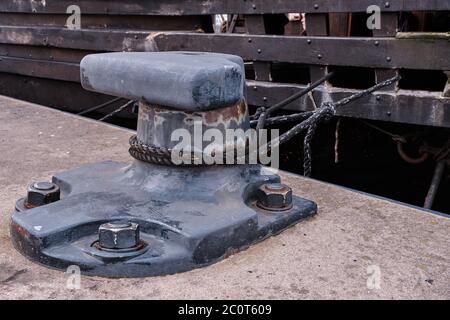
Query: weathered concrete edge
420	209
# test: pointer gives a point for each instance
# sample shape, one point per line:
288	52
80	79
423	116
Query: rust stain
236	112
19	230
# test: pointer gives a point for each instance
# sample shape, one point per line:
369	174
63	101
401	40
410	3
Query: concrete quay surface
335	255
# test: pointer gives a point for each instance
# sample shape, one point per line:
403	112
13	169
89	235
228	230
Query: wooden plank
232	23
262	71
339	24
389	28
255	25
64	95
274	93
42	53
404	107
134	22
389	25
40	68
96	40
206	7
317	25
387	53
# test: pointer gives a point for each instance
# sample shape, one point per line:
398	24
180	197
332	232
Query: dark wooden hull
39	55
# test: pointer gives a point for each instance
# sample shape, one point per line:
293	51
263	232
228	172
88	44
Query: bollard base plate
188	217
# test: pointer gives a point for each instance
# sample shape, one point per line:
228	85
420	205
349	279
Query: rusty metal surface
156	124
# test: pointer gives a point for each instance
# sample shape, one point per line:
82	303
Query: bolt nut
42	193
274	196
118	235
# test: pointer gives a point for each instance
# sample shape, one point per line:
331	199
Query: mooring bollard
172	209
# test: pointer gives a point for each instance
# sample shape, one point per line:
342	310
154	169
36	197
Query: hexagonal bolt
274	196
118	235
42	193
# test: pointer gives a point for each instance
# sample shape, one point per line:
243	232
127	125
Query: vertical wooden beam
420	15
339	24
294	27
255	25
317	25
389	27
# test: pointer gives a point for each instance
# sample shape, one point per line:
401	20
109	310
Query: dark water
369	161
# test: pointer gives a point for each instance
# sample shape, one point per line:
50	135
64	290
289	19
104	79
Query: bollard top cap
187	81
